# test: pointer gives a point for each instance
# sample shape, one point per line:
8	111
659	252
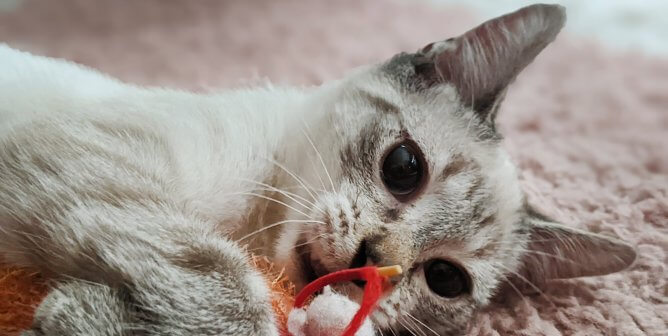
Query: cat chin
295	256
308	268
292	255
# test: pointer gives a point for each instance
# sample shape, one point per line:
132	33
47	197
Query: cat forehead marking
379	103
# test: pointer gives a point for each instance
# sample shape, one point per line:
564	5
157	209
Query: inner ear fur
482	62
556	251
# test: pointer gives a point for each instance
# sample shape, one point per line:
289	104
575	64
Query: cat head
407	169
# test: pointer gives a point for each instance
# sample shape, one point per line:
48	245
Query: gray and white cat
144	202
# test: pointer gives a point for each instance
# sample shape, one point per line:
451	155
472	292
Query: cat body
144	202
209	148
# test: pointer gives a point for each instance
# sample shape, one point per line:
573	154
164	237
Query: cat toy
376	282
301	315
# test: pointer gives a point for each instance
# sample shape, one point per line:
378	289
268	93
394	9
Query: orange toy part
283	291
22	290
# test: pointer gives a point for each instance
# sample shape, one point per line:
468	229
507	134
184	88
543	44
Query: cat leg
127	257
81	308
204	287
157	280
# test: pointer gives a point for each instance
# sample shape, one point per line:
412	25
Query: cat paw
70	307
208	287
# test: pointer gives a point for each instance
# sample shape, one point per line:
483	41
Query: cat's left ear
483	61
556	251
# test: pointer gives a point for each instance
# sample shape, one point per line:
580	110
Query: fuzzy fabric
20	292
587	126
327	315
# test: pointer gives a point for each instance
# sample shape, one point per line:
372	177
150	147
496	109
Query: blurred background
587	122
180	42
624	24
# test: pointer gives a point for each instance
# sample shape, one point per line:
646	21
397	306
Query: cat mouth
311	268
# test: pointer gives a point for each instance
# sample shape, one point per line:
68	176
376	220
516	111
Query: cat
143	203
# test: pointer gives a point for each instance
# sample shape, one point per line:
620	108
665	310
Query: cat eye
445	279
402	170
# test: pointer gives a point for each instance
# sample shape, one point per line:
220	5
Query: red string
372	292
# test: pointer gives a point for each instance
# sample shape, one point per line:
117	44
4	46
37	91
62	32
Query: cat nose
370	253
361	259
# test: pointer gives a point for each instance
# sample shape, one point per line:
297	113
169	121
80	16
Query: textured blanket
587	126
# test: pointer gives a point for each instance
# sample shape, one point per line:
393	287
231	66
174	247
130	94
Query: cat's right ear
483	61
557	251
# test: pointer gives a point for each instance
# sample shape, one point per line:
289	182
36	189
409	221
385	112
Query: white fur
235	132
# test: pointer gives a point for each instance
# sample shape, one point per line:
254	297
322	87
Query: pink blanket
587	126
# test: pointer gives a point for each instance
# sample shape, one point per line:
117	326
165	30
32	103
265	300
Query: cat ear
556	251
482	62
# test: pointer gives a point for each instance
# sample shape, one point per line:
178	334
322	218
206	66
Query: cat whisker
297	245
406	327
272	200
306	131
278	224
415	327
315	169
557	257
531	284
381	311
394	333
290	195
307	187
300	187
510	283
422	323
287	194
310	241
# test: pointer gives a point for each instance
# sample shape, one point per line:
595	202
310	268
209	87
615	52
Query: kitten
143	202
